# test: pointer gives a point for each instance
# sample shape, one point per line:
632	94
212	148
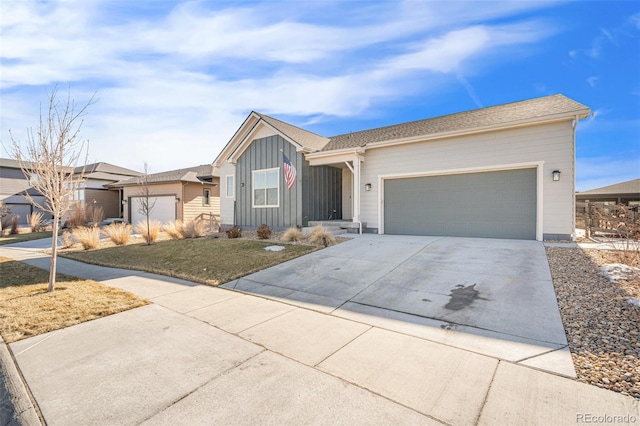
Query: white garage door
164	209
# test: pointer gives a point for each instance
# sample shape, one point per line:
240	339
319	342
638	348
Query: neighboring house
177	194
92	193
13	186
94	190
627	193
481	173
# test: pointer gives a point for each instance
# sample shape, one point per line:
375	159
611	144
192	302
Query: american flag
289	172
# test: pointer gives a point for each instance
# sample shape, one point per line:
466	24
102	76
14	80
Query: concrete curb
16	407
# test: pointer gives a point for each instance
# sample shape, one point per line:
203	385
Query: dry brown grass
118	233
89	238
319	235
18	238
27	310
174	229
292	235
151	232
205	260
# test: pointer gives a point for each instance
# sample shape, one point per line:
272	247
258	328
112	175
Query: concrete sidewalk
203	355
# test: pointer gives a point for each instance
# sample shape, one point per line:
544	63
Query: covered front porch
350	162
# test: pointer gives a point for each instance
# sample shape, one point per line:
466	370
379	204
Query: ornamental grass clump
292	235
118	233
194	229
150	232
174	229
320	235
36	222
89	238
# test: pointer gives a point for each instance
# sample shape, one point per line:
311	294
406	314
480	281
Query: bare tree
147	203
48	160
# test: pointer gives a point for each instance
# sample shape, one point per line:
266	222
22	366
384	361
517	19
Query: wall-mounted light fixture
367	187
242	184
556	175
177	199
124	202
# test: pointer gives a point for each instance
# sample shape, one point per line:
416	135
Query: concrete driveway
489	296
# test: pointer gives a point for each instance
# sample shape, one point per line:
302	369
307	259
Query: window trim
253	189
226	186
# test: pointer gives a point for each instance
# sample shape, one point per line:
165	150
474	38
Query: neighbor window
230	187
206	197
266	188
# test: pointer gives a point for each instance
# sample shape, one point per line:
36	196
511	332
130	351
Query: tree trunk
54	254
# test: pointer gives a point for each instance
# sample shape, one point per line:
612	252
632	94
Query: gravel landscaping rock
603	328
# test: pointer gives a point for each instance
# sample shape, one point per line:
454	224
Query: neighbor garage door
164	209
500	204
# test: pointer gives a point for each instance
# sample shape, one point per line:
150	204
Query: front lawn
212	261
28	310
18	238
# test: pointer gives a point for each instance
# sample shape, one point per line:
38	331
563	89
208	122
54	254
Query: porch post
356	188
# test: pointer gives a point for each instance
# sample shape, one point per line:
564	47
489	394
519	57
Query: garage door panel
489	204
164	209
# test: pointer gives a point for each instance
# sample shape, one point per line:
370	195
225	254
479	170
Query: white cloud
190	74
591	81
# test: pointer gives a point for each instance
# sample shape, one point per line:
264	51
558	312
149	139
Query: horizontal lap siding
194	200
108	200
552	144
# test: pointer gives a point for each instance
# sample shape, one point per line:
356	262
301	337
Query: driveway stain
462	296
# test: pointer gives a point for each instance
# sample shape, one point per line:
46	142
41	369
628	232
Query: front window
230	187
266	188
206	197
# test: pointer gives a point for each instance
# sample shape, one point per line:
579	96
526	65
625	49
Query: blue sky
176	79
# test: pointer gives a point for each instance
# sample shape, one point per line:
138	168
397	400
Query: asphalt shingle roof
628	187
479	118
305	138
189	174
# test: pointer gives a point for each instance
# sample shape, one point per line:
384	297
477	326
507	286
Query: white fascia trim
231	145
334	157
538	165
246	141
475	130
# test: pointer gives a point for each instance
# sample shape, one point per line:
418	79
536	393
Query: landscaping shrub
89	238
118	233
154	229
319	235
292	235
10	224
234	232
67	240
174	229
77	217
194	229
264	233
35	221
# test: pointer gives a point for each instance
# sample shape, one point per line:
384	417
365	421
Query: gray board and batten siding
496	204
316	194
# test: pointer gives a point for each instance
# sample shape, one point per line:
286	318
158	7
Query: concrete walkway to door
490	296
